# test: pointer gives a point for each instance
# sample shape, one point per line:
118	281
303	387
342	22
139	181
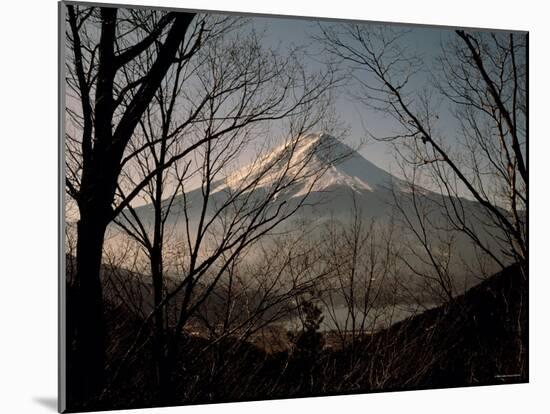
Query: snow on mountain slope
316	170
338	183
317	163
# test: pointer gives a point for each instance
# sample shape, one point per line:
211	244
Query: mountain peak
317	138
339	164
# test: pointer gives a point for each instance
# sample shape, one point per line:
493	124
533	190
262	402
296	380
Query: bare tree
361	258
220	236
103	41
156	140
203	116
482	76
428	244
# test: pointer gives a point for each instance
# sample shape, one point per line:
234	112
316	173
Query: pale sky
421	41
285	32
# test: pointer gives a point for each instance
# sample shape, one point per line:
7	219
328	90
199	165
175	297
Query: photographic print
266	207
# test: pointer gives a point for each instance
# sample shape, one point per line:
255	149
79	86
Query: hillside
481	338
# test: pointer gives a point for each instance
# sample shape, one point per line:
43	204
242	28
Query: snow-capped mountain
317	163
316	170
313	179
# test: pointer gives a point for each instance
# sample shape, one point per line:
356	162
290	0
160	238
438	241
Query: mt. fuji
315	179
316	170
322	161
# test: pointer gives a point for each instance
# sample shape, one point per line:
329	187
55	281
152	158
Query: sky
285	32
425	42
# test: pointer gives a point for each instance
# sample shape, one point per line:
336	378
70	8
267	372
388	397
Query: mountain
328	180
324	171
323	168
324	162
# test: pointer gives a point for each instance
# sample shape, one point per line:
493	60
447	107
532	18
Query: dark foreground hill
480	338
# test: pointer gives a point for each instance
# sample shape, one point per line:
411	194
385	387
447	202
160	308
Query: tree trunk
159	346
90	327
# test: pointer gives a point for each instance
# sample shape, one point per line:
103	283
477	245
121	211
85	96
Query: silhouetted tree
182	101
103	42
308	342
483	78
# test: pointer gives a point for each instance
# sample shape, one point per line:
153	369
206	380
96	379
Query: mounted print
264	207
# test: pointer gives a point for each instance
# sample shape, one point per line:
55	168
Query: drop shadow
47	402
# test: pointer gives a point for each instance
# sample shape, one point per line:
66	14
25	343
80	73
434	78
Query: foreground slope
480	338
